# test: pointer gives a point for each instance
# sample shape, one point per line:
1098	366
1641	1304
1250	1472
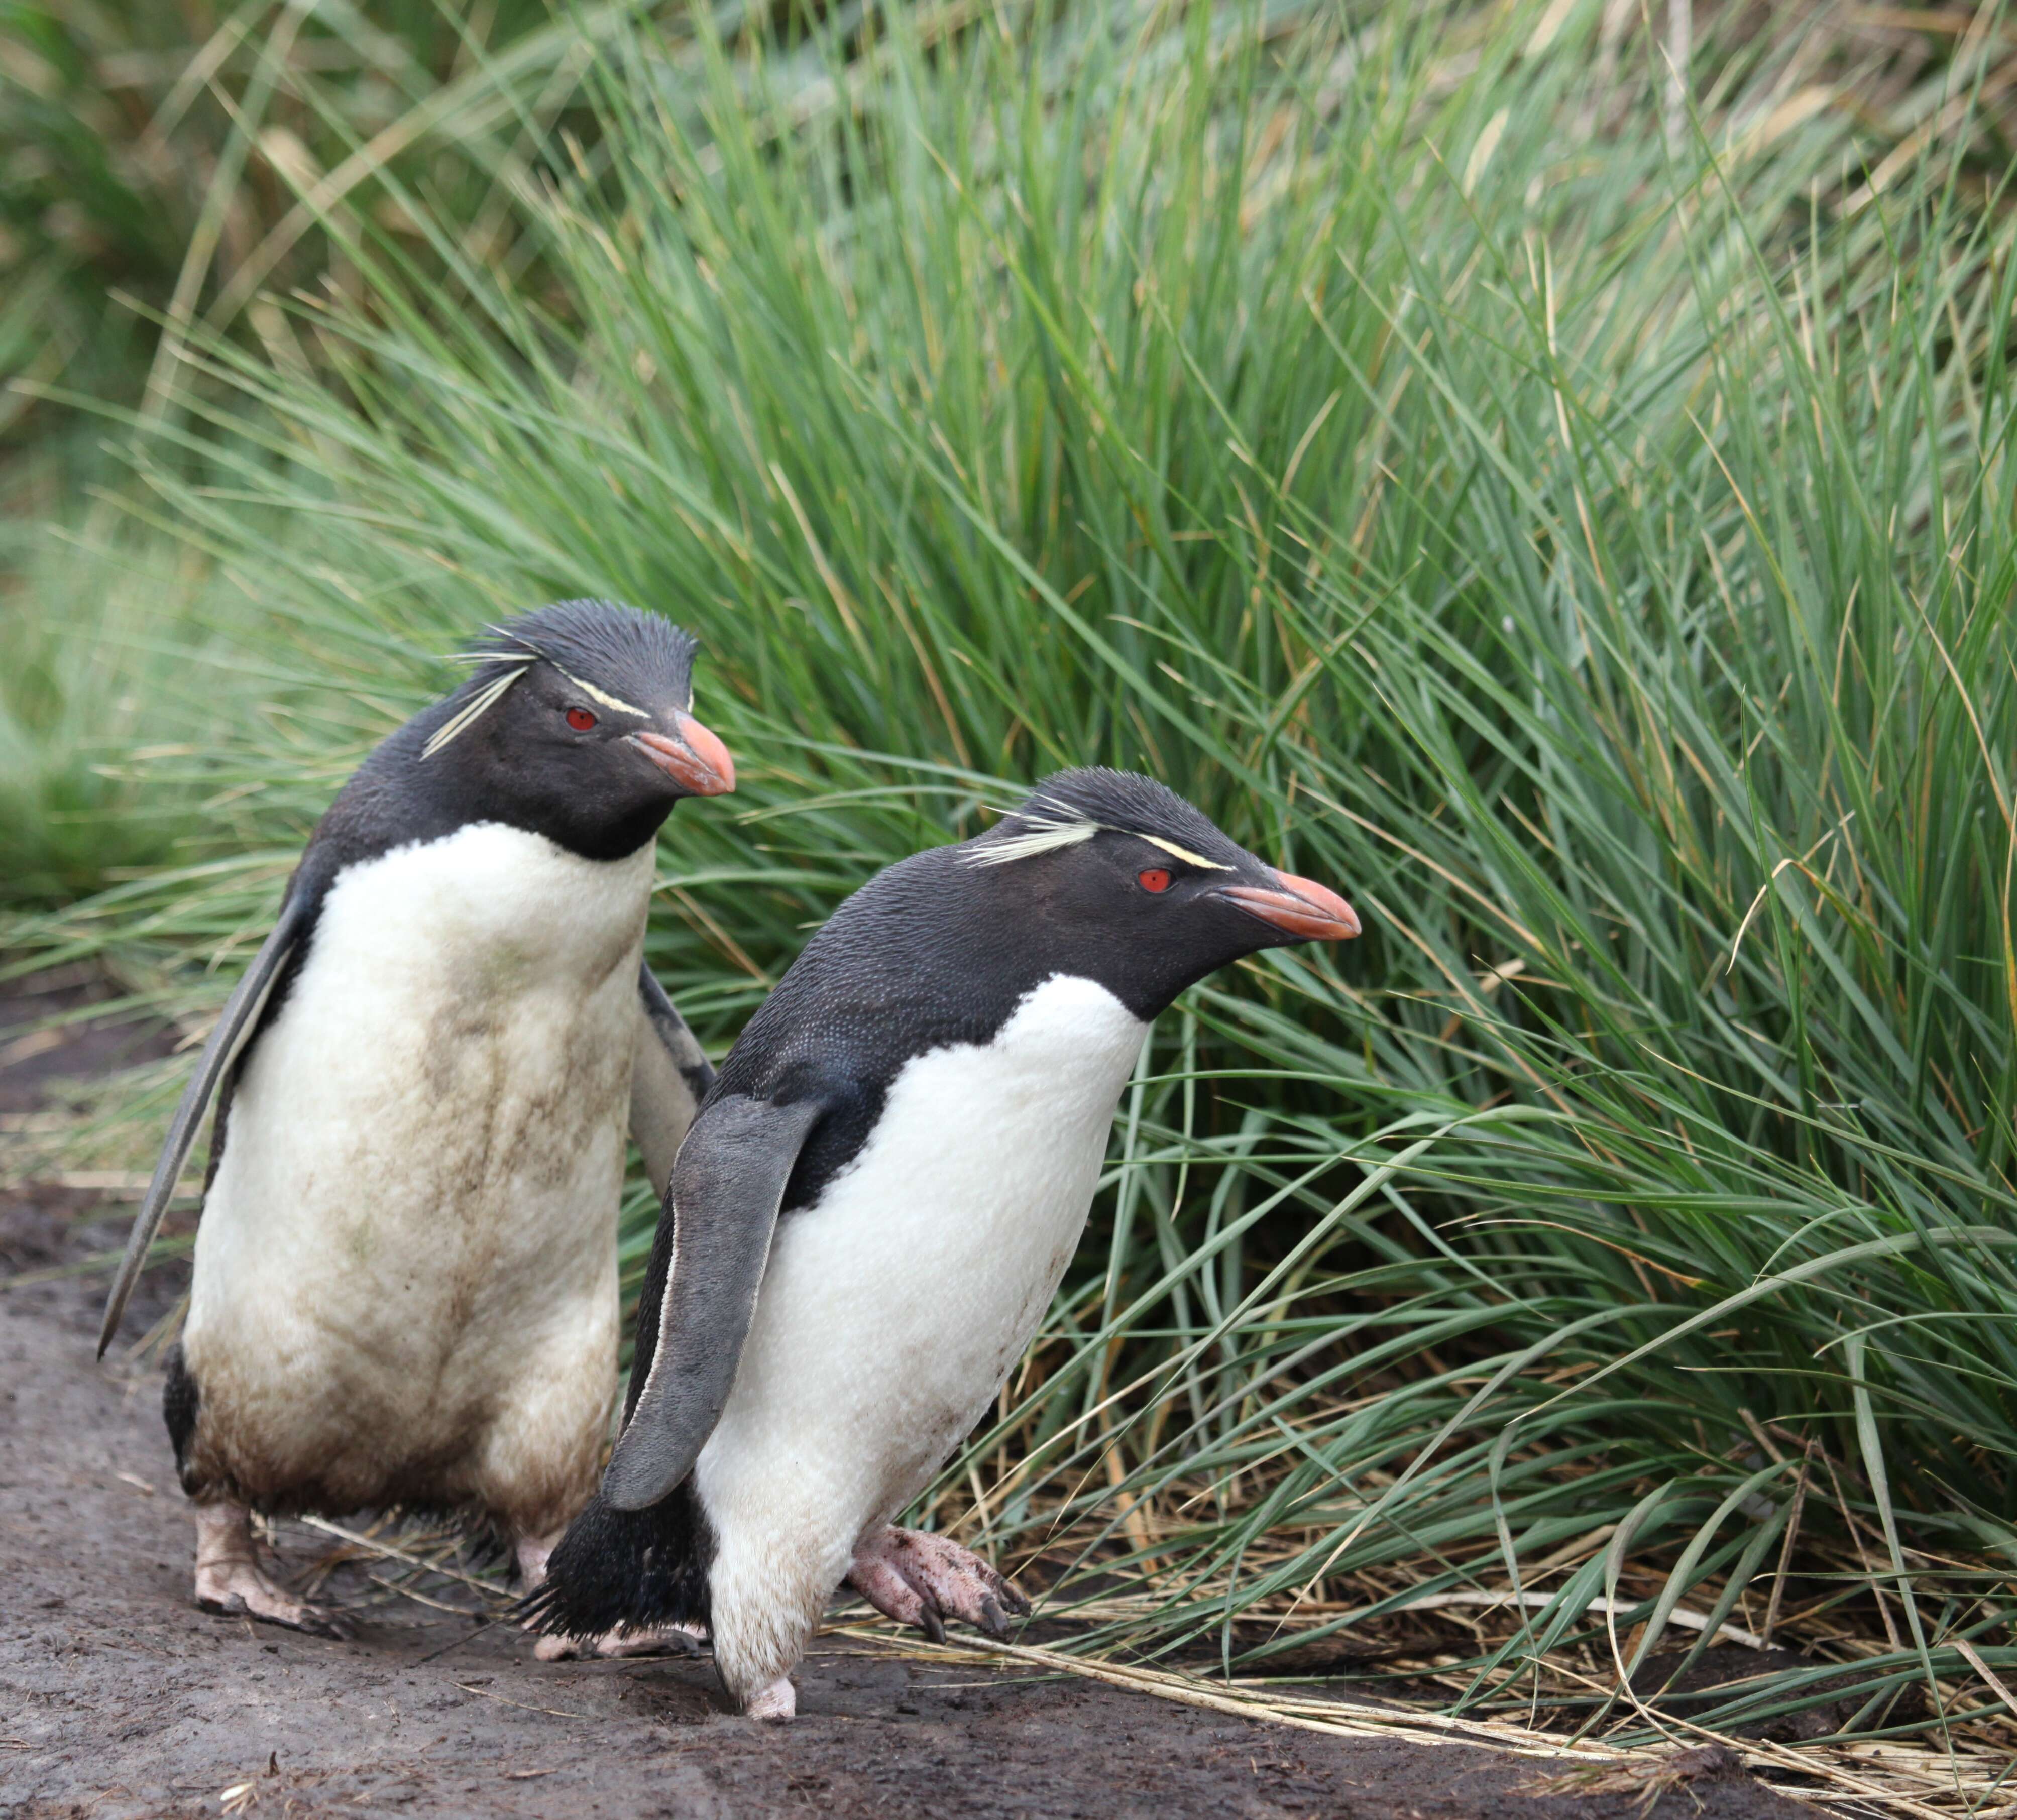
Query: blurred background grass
1538	467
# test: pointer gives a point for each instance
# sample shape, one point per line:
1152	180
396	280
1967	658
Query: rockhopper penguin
870	1215
405	1287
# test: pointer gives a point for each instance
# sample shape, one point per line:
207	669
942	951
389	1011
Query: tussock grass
172	159
1589	547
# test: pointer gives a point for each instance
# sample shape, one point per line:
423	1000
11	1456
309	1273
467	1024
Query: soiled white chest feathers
411	1233
892	1311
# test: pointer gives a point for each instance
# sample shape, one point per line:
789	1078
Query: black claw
992	1619
1012	1598
930	1620
333	1625
338	1630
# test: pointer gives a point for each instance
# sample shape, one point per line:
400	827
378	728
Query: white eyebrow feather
1046	833
527	656
603	696
1040	835
473	710
1182	853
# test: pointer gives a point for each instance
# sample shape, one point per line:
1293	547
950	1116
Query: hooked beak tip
1301	907
697	760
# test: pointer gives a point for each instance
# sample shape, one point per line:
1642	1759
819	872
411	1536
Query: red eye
580	719
1154	879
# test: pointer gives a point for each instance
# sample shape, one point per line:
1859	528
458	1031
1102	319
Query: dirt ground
118	1698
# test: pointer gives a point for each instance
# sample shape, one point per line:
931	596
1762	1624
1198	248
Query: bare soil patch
118	1698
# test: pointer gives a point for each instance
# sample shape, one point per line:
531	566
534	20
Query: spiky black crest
625	658
1071	806
602	642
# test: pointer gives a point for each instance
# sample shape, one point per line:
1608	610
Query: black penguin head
576	724
1136	889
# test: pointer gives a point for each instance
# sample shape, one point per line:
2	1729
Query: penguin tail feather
638	1568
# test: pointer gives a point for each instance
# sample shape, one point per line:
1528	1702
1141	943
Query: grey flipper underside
714	1239
241	1017
668	1080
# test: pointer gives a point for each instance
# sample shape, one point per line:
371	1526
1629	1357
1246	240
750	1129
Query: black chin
619	838
596	832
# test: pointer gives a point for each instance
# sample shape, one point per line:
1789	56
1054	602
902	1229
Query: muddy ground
118	1698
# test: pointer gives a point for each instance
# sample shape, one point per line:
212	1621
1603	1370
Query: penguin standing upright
405	1287
872	1210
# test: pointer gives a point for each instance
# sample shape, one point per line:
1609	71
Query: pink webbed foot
229	1581
663	1639
920	1579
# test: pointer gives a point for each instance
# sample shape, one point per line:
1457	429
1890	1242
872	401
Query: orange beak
1302	908
697	761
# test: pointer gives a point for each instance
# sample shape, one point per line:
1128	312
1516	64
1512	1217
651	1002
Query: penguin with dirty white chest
873	1208
405	1288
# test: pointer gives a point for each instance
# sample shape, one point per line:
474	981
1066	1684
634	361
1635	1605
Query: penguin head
1135	887
577	723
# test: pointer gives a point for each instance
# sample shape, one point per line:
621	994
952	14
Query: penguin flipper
719	1211
241	1017
669	1079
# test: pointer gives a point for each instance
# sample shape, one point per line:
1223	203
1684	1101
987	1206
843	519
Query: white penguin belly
406	1272
892	1311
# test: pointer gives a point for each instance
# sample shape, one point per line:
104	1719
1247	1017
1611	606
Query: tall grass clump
1590	548
160	167
102	760
164	163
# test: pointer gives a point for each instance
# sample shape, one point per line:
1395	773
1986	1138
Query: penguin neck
960	947
399	796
